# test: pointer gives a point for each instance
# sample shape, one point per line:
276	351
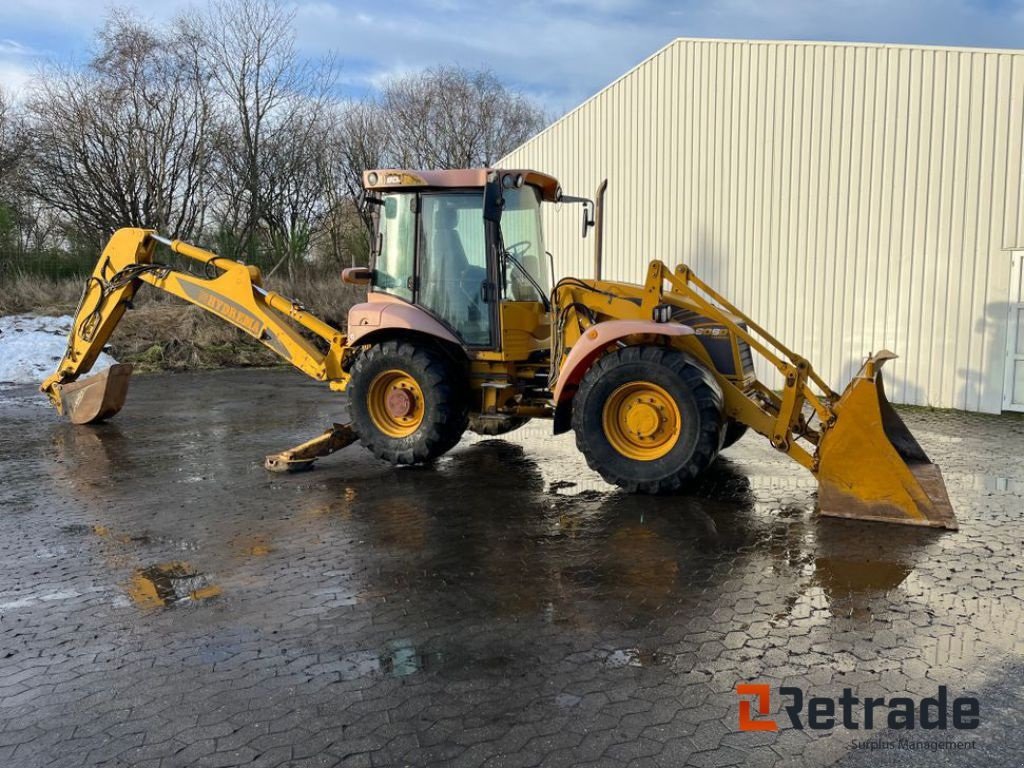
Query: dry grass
165	333
29	294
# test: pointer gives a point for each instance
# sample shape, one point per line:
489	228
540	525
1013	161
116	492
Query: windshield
522	236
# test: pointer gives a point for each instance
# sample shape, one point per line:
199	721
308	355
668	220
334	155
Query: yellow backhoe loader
462	329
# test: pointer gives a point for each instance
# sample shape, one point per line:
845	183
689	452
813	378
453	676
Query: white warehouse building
849	197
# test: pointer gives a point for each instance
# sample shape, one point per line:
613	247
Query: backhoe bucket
869	465
98	397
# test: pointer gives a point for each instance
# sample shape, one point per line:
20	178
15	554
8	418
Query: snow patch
31	347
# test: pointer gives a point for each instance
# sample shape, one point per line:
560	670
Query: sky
558	52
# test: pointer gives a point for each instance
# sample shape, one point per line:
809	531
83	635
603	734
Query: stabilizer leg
301	457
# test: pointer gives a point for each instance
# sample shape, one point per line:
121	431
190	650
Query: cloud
538	48
559	51
12	48
15	77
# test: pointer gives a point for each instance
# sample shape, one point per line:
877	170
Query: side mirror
588	218
357	275
493	199
391	207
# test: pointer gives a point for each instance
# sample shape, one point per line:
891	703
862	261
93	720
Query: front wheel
407	402
649	419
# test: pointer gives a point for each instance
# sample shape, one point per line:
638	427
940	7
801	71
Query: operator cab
461	245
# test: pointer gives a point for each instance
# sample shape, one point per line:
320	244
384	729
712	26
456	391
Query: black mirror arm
588	210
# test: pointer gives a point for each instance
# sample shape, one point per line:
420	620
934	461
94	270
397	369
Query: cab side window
393	269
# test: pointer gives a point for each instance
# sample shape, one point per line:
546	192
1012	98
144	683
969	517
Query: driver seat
446	245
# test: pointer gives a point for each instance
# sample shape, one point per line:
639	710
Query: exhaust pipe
599	226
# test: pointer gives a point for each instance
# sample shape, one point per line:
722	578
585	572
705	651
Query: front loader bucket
869	465
98	397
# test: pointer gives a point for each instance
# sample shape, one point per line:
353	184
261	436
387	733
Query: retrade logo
822	712
762	695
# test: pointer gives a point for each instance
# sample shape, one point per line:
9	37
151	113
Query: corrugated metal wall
849	197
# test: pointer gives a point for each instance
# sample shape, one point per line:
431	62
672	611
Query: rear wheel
649	419
407	402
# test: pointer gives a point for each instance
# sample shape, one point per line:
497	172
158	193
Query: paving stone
478	612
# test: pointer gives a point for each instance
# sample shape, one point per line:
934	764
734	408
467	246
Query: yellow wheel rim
641	421
395	402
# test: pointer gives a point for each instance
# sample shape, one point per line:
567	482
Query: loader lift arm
229	289
868	464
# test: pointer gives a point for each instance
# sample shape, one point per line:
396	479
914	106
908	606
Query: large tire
734	431
493	426
649	419
407	402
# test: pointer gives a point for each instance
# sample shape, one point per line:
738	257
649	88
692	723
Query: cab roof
384	179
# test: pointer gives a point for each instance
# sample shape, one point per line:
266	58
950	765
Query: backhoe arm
229	289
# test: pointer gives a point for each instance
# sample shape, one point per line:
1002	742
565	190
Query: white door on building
1013	389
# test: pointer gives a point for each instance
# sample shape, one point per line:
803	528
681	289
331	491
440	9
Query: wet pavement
166	602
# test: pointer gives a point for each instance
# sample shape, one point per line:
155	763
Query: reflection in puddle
398	658
142	539
840	578
633	657
170	584
253	545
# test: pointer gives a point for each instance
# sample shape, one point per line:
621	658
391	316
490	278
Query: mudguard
589	347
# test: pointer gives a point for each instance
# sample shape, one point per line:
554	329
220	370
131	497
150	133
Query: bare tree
360	141
214	127
123	142
272	107
296	181
12	139
450	117
445	117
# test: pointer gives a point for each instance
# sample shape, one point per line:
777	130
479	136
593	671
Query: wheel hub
400	403
642	421
395	402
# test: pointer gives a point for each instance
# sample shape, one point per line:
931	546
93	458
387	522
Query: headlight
371	178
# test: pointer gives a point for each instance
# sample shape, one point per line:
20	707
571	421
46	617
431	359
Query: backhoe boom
229	289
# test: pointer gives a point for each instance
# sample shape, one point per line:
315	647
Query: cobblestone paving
165	602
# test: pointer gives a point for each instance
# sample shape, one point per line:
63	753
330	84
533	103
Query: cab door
455	281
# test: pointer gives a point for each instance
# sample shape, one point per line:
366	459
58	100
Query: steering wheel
518	250
522	288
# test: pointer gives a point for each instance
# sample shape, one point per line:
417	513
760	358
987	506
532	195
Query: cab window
393	269
453	263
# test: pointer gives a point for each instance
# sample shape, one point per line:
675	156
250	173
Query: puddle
253	545
44	597
633	657
170	584
567	700
398	658
141	539
844	577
